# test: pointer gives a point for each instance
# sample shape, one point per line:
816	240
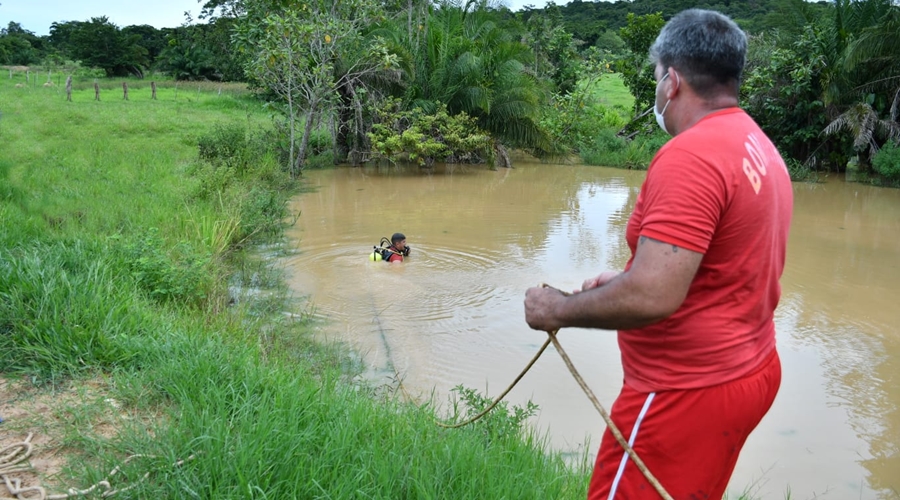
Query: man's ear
674	85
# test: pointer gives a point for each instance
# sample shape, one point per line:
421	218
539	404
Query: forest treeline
397	80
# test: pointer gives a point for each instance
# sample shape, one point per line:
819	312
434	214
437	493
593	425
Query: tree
555	50
19	46
295	51
782	91
468	62
185	59
638	35
148	37
101	44
865	126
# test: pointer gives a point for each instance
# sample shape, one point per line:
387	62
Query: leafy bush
887	161
610	150
263	212
423	138
227	145
573	120
782	92
319	142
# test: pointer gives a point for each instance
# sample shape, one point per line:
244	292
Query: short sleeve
683	199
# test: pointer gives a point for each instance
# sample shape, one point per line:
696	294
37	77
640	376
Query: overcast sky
37	15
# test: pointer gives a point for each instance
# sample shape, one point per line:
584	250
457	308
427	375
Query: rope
499	398
14	458
609	423
617	434
376	319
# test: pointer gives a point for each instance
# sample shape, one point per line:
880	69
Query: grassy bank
133	309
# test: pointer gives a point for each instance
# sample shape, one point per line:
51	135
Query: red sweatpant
688	439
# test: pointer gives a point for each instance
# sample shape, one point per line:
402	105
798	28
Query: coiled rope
14	459
551	338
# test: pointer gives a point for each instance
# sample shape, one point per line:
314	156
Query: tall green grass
125	237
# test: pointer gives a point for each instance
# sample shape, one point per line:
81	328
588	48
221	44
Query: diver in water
395	252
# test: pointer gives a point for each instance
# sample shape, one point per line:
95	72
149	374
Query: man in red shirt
694	306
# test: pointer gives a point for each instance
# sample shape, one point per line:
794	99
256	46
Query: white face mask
660	114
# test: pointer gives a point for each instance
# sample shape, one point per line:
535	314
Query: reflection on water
452	313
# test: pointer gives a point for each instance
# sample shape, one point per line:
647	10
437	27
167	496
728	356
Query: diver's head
398	241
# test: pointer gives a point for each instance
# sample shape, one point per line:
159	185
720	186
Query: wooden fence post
125	89
96	91
153	90
69	88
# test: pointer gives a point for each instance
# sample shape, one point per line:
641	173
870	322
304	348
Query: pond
453	314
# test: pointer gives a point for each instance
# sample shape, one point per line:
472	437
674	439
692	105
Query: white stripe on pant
631	439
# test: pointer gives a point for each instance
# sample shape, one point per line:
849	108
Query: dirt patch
50	415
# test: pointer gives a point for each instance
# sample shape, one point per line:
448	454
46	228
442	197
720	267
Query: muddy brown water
452	314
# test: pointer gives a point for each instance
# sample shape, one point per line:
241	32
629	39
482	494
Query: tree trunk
292	125
69	88
125	90
343	130
153	90
96	91
304	142
501	156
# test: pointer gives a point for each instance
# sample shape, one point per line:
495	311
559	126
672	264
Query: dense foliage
822	77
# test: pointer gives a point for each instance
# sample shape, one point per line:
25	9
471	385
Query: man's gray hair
707	47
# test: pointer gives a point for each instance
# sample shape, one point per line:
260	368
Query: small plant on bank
887	163
611	150
502	422
800	171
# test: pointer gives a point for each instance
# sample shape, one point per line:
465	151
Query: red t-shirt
722	189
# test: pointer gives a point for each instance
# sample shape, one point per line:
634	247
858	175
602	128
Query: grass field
137	327
610	90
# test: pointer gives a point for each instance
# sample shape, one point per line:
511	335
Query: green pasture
610	90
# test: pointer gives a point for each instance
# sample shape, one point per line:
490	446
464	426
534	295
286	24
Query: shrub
500	423
887	161
263	212
573	120
800	171
425	138
611	150
225	145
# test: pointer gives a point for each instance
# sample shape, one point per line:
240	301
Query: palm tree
462	58
863	123
877	51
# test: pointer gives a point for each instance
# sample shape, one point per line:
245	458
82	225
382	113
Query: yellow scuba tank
375	256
